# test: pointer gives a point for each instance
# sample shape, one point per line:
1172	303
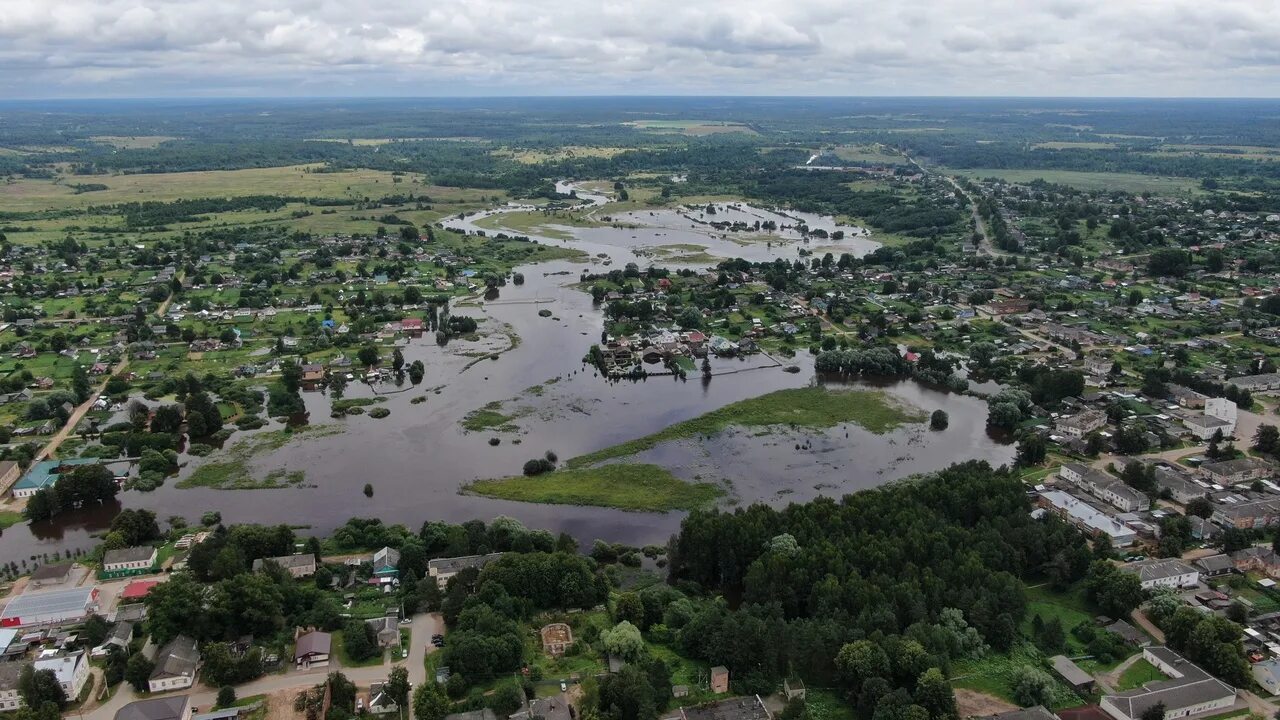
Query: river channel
417	458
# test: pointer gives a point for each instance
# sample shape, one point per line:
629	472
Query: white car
563	686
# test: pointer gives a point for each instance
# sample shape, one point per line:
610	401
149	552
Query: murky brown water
417	458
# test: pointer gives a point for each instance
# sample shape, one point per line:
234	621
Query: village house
128	561
1215	565
71	671
174	707
1259	558
299	566
444	568
175	665
312	649
386	563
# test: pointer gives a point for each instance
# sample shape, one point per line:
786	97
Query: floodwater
417	458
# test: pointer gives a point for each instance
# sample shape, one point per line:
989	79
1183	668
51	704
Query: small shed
1078	679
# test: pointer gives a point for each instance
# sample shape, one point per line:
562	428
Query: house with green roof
45	474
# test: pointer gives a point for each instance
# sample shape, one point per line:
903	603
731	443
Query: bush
538	466
1032	686
379	412
226	696
200	449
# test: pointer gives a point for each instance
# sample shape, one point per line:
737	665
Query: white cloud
946	47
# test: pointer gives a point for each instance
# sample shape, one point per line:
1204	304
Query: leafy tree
136	527
359	639
628	608
368	355
1116	592
1266	439
939	420
934	694
137	672
627	695
37	687
429	703
624	641
226	696
397	687
1032	687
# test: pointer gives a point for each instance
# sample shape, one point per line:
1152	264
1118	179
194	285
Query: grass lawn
9	518
1138	674
811	407
621	485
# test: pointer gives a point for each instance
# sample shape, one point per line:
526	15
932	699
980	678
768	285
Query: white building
1188	691
1223	409
1168	572
72	671
10	700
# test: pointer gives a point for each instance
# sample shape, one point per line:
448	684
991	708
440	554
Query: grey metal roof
1070	671
1192	686
128	555
178	658
53	604
165	708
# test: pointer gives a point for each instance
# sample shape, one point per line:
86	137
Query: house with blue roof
45	474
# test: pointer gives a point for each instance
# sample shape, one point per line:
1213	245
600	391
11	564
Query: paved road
423	627
984	246
78	414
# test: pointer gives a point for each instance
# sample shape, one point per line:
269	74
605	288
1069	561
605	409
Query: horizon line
639	96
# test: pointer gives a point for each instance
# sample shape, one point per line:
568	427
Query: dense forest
912	564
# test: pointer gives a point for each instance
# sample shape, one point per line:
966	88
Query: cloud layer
151	48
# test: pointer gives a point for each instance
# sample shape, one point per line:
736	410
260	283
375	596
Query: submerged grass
810	407
624	486
231	471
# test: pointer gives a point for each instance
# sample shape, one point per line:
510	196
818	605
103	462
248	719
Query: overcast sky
156	48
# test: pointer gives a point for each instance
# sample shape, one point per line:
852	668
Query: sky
403	48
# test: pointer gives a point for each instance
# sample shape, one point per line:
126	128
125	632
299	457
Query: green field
1128	182
625	486
810	407
9	518
32	195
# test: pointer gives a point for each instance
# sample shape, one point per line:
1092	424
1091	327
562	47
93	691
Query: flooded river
418	457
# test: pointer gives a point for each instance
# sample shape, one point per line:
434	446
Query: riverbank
625	486
808	407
